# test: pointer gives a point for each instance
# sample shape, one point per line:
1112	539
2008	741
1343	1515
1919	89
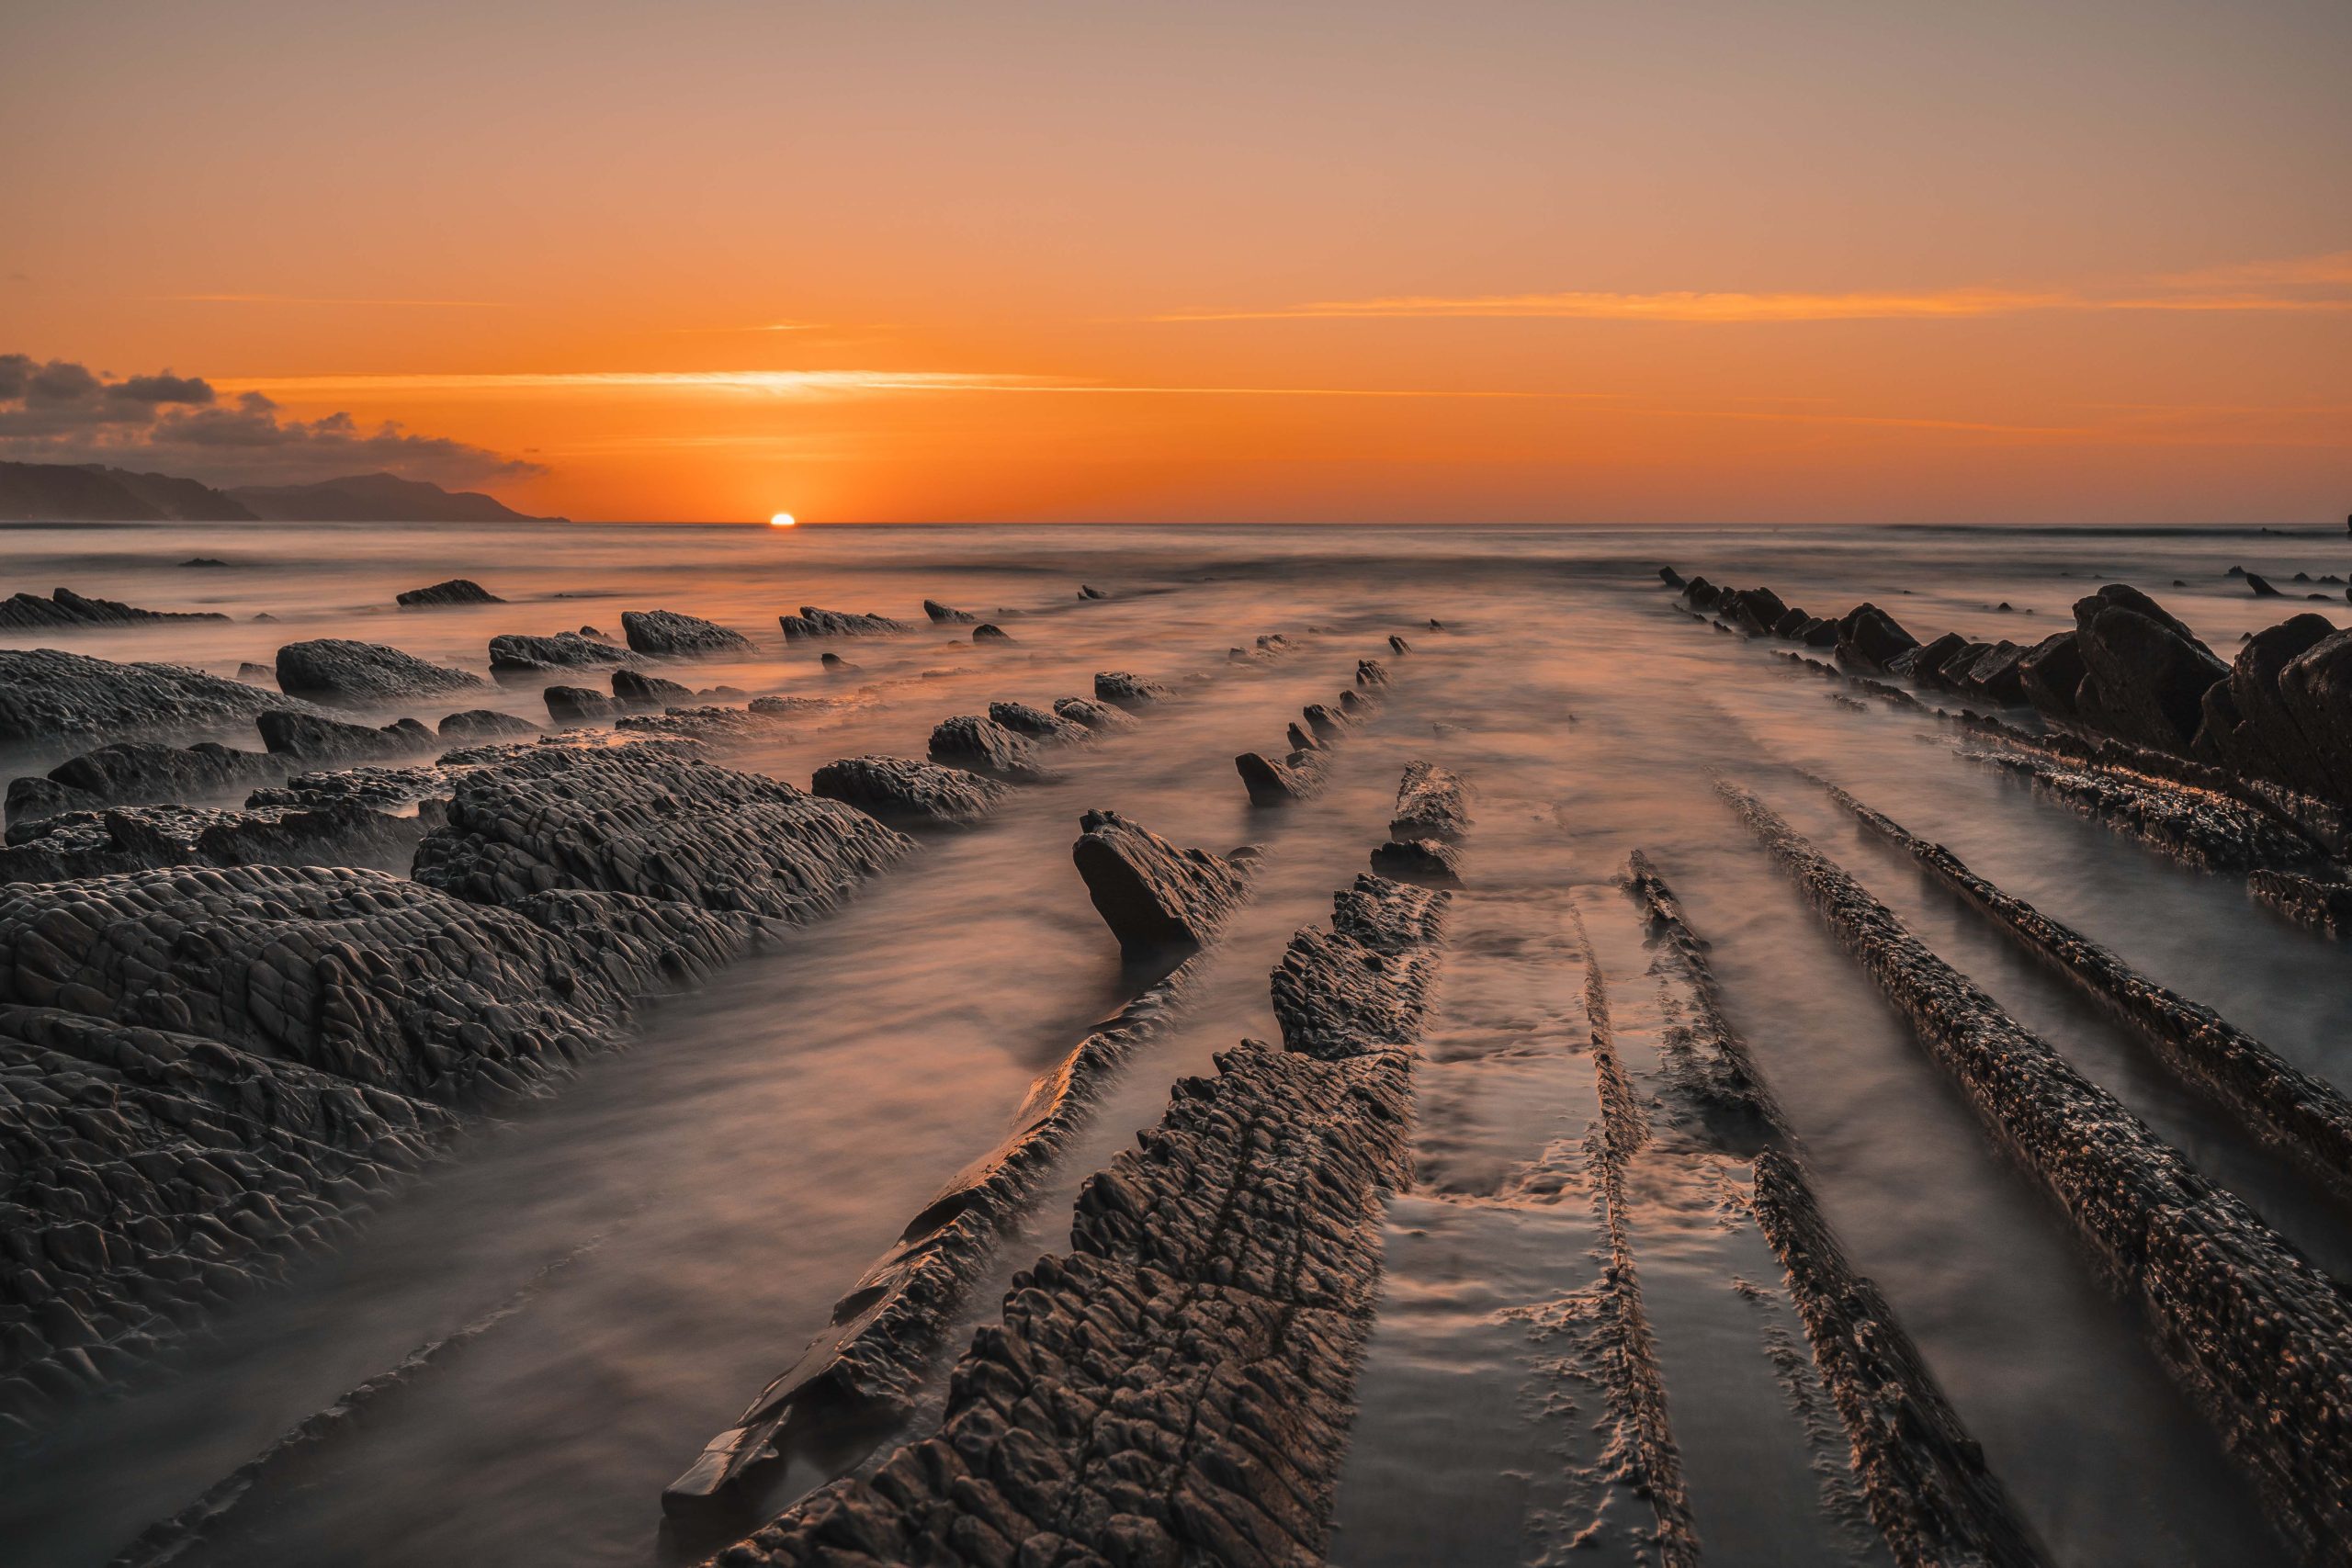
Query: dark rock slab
1158	899
46	696
1100	717
1433	863
644	821
989	631
29	612
1431	803
2200	828
2146	673
1299	776
1871	640
141	773
477	725
2323	904
1924	663
2051	674
813	623
904	792
1040	726
580	704
942	616
983	746
457	591
1087	591
312	738
1397	645
635	690
1671	577
514	654
673	635
836	664
343	673
2315	687
2261	586
1121	689
2259	1339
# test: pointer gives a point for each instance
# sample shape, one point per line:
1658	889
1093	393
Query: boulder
904	792
1871	640
814	623
942	615
2051	674
634	689
989	632
344	673
516	653
313	739
580	704
46	696
836	664
1158	899
476	725
457	591
669	634
2146	673
983	746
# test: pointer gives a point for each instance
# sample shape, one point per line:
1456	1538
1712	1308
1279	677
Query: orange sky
1477	262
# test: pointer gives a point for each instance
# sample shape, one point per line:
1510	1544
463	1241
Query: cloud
819	385
60	412
2303	284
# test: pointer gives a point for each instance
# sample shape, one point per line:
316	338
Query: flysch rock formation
636	690
1158	899
904	792
669	634
812	623
890	1326
981	745
2211	831
64	607
2257	1338
2323	904
945	616
516	655
341	672
138	837
1038	725
578	705
1124	689
1178	1386
1300	775
47	696
457	591
310	739
1101	717
476	725
141	773
1923	1476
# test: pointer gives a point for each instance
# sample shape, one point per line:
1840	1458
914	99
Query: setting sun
782	520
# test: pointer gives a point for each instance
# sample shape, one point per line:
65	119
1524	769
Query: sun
782	520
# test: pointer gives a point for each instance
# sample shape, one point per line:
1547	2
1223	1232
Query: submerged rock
671	633
904	792
580	704
516	653
814	623
341	672
835	664
941	614
255	674
28	612
1086	591
1156	899
457	591
1097	716
1121	689
2261	586
1871	640
476	725
635	689
987	632
984	746
48	695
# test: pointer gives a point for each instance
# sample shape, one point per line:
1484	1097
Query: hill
91	492
374	498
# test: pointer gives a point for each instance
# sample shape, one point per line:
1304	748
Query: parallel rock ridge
64	607
1299	774
813	622
46	696
906	792
671	633
338	671
516	653
2256	1336
1177	1388
1156	898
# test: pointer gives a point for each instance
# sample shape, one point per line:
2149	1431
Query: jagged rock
1924	662
46	696
1996	673
1097	716
989	631
1086	591
1300	740
814	623
2325	905
580	704
203	560
2145	673
1371	673
477	725
1122	689
1671	577
139	773
1431	803
516	654
646	822
457	591
635	689
906	792
1156	899
1398	645
315	738
1431	862
836	664
2245	724
667	632
380	787
1299	776
1036	724
28	612
247	670
942	616
343	673
1702	594
2262	588
983	746
2050	674
1327	723
1757	609
1871	640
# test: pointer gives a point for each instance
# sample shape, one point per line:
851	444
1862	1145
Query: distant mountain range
89	493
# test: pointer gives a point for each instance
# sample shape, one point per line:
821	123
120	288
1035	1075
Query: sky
1489	260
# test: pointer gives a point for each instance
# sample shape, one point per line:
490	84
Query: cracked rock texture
1156	898
46	696
984	746
64	607
1097	716
1431	803
1177	1388
343	673
476	725
906	792
517	653
811	623
141	773
1122	689
312	738
1039	725
668	632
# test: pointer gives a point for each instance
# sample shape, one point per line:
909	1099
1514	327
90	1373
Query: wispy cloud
2305	283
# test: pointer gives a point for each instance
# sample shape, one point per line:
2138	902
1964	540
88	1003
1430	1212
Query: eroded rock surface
1431	803
457	591
908	794
671	633
813	623
476	725
64	607
580	704
313	739
942	616
984	746
1122	689
1039	725
343	673
1097	716
138	773
48	695
1156	898
636	690
516	653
